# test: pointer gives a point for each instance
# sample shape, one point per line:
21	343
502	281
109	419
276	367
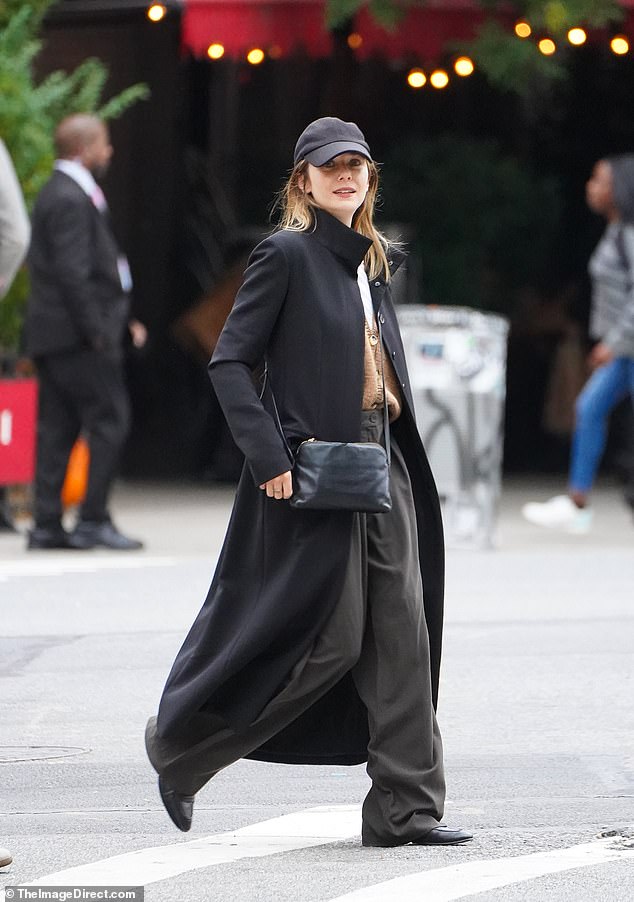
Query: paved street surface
536	711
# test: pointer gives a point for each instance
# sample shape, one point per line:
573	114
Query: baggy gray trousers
378	632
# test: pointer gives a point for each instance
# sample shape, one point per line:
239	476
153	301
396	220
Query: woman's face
339	186
599	189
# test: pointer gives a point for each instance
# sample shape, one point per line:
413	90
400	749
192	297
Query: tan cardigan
373	386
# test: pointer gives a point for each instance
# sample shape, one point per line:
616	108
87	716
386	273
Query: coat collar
345	243
349	245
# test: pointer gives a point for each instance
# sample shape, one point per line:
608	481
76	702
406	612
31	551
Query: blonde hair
297	215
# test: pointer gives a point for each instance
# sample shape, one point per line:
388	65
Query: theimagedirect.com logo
80	893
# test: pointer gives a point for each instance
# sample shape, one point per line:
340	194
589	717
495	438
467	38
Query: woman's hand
600	355
280	488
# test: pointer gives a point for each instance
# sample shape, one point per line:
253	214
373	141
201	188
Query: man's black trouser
378	633
80	391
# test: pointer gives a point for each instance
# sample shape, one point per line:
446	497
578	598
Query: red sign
18	415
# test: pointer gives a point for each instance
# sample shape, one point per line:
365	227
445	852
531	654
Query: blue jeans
604	390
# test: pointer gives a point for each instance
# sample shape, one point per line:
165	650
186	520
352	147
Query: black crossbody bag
351	476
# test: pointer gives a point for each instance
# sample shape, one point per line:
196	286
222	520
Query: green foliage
8	8
485	225
29	113
557	16
554	15
508	62
513	64
386	12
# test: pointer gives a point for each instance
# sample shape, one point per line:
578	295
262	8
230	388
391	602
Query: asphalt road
536	713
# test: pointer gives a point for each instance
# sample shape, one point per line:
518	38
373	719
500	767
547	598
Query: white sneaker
559	512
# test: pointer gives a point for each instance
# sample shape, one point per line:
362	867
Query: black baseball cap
325	138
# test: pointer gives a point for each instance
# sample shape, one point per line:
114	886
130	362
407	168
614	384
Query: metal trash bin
457	364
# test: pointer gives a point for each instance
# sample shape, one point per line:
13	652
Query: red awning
276	26
422	34
280	27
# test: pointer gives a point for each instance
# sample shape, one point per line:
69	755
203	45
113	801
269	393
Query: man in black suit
77	314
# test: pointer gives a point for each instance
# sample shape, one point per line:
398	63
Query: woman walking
319	641
610	193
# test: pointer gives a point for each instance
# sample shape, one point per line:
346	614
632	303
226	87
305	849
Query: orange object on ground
76	480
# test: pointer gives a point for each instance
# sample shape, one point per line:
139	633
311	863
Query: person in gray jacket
15	232
610	193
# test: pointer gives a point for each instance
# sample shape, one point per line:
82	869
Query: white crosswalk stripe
63	564
301	830
321	826
472	877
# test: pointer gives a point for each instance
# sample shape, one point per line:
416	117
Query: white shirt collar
79	174
84	178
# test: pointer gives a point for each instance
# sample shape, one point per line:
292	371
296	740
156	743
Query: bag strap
386	413
386	416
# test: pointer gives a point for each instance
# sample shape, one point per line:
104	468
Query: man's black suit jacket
76	299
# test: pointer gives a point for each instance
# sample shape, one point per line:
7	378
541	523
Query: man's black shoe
443	836
439	836
179	807
43	538
89	534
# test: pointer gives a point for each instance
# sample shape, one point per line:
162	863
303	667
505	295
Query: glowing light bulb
439	78
215	51
255	56
547	46
577	36
620	45
523	30
354	40
156	12
464	66
416	78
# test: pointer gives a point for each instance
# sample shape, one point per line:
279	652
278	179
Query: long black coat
281	571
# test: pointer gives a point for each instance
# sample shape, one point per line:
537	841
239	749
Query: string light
439	79
255	56
577	36
416	78
547	46
156	12
354	40
620	45
463	66
523	30
215	51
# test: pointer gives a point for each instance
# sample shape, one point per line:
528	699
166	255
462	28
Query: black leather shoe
89	534
443	836
179	807
42	538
